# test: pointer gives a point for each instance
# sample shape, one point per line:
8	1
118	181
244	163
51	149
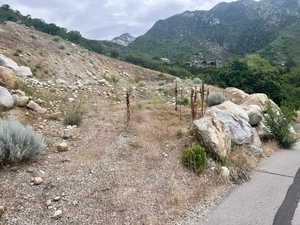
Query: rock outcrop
8	78
6	99
21	71
213	134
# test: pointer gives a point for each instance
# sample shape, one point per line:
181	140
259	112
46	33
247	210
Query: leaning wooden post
180	105
202	98
176	95
128	93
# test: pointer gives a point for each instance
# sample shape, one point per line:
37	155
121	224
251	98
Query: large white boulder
24	71
240	129
260	100
233	108
213	134
237	93
6	99
7	62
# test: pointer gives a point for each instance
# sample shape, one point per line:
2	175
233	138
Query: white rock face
259	100
24	71
6	99
240	130
9	63
225	172
233	108
235	92
21	71
214	135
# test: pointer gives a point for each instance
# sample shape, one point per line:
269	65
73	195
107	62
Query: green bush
18	143
73	118
279	127
183	101
197	81
215	98
195	159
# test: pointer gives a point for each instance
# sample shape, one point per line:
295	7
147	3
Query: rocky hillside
228	29
117	166
124	39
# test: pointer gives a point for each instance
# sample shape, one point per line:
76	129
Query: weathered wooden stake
128	93
176	95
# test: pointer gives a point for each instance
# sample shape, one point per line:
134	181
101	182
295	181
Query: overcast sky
104	19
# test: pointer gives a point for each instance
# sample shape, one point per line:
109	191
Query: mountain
227	30
124	39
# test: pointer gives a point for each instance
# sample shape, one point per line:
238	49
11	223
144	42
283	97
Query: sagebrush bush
197	80
18	143
215	98
73	118
279	127
195	159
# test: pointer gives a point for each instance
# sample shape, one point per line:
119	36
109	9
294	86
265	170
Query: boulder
256	139
6	100
255	114
24	71
36	107
233	108
21	101
235	92
8	77
259	100
9	63
240	130
213	134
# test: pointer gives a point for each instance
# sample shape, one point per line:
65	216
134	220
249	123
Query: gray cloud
104	19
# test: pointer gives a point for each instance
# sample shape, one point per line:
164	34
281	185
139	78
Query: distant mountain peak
124	39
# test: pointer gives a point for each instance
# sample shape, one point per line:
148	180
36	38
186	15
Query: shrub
18	143
56	39
197	81
73	118
215	98
141	84
195	159
279	127
62	47
162	83
183	101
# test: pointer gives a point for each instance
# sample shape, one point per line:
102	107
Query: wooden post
128	106
176	95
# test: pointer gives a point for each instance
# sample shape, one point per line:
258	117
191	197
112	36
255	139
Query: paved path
270	198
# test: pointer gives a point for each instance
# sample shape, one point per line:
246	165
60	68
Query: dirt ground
112	174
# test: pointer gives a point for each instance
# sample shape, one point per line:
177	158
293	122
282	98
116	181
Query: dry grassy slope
47	59
110	175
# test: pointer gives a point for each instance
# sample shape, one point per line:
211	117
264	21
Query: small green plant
279	127
18	143
162	83
195	159
141	84
183	101
215	98
62	47
56	39
73	118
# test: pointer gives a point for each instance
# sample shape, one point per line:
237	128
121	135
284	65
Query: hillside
228	29
110	173
286	48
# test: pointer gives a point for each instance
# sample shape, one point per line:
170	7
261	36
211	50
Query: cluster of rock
9	73
229	123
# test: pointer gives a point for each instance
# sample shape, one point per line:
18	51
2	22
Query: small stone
48	203
57	214
56	199
37	180
2	210
62	147
225	172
